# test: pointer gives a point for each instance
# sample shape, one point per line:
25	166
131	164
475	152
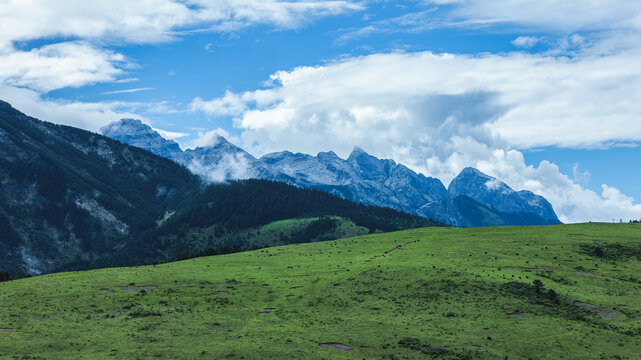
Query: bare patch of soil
289	296
132	288
604	313
336	346
350	233
263	313
222	293
105	290
6	330
593	275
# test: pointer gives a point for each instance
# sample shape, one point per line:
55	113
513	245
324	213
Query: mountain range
471	199
71	199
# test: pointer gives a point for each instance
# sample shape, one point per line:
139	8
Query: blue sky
544	101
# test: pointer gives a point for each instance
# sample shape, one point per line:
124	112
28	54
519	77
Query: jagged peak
4	104
356	151
277	154
126	125
131	121
281	155
470	171
327	154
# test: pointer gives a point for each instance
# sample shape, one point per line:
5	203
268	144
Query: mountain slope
233	217
495	194
68	194
135	133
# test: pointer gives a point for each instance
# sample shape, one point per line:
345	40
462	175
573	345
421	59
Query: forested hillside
71	199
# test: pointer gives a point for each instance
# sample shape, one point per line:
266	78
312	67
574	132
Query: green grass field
428	293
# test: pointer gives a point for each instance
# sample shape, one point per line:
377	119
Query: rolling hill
553	292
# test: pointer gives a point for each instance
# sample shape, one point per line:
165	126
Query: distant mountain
367	179
136	133
473	198
223	161
71	199
495	194
220	161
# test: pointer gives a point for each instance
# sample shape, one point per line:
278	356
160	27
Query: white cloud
86	115
151	20
210	138
570	16
230	166
526	41
126	91
56	66
170	135
229	104
96	24
412	22
579	176
438	113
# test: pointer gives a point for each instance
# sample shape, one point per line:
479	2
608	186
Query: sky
544	95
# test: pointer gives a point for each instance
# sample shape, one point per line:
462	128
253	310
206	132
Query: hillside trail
390	251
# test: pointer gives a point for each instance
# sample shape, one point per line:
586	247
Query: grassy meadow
553	292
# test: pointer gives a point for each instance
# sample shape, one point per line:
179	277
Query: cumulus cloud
229	104
581	177
93	25
56	66
589	101
230	166
438	113
152	20
209	138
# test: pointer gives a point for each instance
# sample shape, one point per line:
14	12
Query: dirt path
391	250
336	346
131	288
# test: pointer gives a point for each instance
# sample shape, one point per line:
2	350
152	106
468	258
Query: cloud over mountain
438	113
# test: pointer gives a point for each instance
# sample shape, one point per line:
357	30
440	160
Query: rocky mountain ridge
472	198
